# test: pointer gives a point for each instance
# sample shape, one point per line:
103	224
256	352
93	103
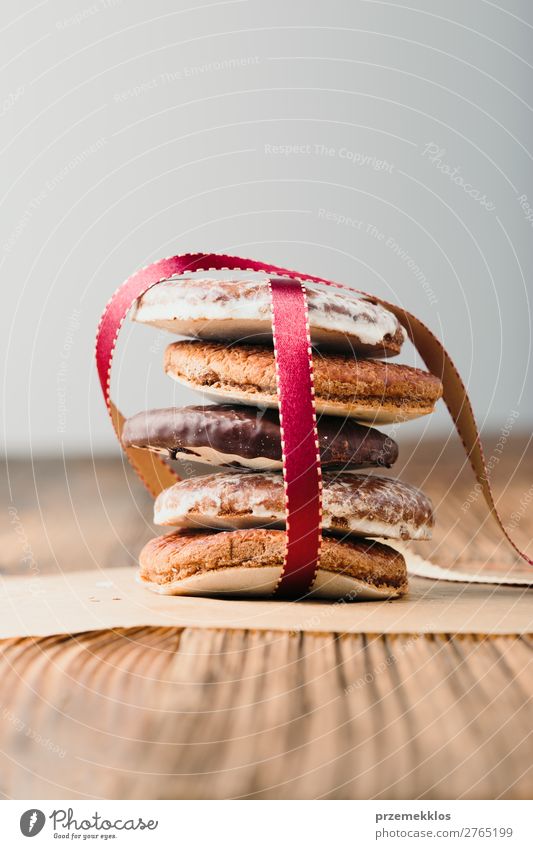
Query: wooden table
200	713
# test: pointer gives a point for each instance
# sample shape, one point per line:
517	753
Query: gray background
132	130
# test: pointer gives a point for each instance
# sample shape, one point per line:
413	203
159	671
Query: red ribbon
294	374
299	438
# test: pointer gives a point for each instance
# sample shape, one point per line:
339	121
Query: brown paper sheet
93	600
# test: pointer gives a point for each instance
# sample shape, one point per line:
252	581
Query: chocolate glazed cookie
247	437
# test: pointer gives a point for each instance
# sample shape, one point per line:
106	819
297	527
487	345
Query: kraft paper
75	602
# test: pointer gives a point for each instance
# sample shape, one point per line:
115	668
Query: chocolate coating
244	434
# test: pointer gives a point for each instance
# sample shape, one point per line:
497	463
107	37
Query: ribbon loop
156	474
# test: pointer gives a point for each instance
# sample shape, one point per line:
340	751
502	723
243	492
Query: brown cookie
239	310
249	562
246	437
360	505
368	390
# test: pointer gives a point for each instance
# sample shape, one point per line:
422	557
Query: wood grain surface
202	713
165	713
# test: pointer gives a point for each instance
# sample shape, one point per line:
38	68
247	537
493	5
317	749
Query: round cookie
246	437
354	504
240	310
249	562
367	390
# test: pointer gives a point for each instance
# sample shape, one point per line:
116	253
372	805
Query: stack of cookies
229	537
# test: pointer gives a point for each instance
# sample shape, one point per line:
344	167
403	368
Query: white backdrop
381	144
